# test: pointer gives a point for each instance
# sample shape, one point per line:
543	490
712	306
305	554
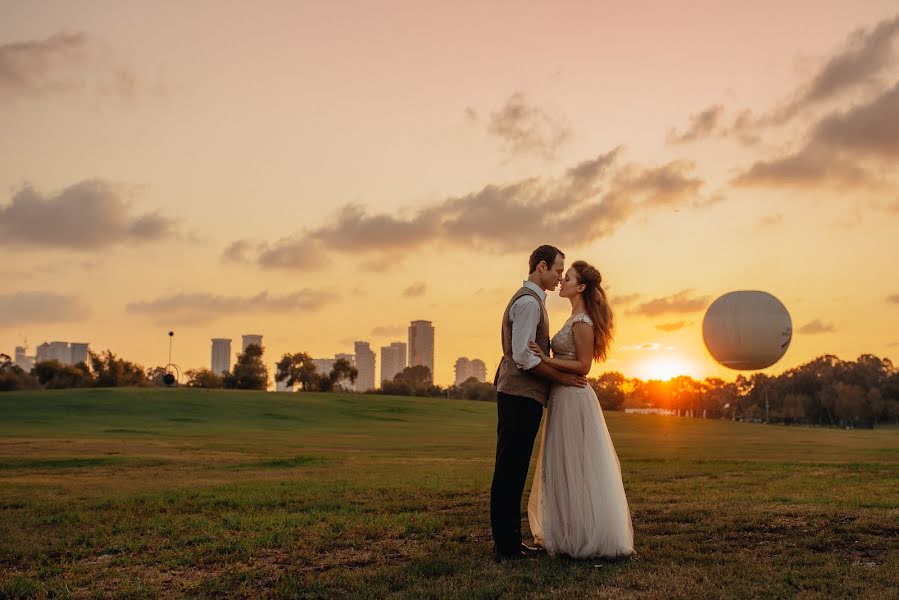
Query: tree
52	374
297	368
412	381
610	389
110	371
13	377
204	378
341	371
249	372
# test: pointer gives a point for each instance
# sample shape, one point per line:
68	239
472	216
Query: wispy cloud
389	330
590	201
415	290
861	69
202	307
683	302
771	220
816	327
893	298
37	307
526	129
89	215
836	147
65	63
669	327
644	347
702	125
624	299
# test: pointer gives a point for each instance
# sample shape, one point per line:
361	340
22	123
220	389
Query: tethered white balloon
747	330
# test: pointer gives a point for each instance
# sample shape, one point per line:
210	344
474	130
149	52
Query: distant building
22	360
248	339
281	386
61	351
421	345
365	364
324	366
466	369
221	355
67	354
43	353
79	352
393	360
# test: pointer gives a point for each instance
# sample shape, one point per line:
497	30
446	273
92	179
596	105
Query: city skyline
425	159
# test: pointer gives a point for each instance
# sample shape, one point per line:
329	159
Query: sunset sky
324	172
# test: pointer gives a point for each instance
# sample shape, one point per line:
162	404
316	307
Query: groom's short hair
543	253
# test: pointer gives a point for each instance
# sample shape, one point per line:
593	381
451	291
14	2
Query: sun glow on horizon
665	368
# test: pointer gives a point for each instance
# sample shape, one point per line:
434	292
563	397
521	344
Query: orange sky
325	172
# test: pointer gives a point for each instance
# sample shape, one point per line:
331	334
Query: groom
522	383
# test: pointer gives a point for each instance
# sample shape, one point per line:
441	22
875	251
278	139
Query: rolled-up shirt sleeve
524	315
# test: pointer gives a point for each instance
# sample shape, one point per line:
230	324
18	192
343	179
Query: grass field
192	493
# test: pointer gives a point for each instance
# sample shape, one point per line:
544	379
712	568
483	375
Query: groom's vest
509	378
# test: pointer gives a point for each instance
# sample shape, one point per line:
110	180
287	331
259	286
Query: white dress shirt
524	316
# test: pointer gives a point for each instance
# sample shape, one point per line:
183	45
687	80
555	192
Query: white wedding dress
577	505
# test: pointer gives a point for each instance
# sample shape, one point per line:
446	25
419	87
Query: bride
577	504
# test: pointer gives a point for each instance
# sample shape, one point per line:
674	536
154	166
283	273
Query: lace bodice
563	342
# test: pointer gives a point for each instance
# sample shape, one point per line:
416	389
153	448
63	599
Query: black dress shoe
514	555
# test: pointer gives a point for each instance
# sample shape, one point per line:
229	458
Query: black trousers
518	420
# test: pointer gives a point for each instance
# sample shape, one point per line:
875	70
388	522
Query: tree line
824	391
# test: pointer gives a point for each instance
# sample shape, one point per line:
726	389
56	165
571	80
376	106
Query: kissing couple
577	506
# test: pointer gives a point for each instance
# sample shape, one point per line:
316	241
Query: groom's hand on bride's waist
572	380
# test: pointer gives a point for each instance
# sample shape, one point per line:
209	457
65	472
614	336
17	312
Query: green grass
191	493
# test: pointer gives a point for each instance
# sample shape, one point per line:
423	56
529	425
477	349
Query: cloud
861	63
624	299
864	66
644	347
893	298
23	308
771	220
88	215
815	327
296	254
526	129
415	290
237	251
201	307
64	63
682	302
672	326
836	144
702	125
589	201
870	129
389	330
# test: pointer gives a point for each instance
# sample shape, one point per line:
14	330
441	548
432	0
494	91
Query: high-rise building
281	386
23	361
79	352
43	353
323	366
478	369
221	355
365	364
250	339
466	369
421	345
393	360
61	352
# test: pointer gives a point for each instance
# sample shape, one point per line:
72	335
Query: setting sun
664	368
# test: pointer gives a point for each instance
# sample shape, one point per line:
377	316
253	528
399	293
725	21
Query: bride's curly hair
598	308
